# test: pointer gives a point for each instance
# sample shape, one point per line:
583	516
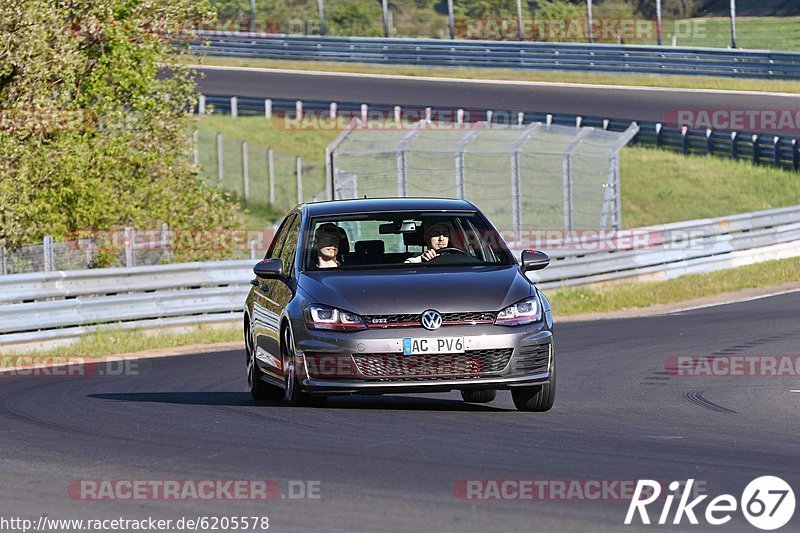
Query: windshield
403	240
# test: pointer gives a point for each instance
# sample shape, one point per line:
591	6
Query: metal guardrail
759	148
505	54
58	306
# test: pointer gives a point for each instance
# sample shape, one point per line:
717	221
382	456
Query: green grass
660	187
610	298
754	33
110	342
638	80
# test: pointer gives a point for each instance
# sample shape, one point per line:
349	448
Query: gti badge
431	319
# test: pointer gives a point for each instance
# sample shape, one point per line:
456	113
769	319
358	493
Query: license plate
433	345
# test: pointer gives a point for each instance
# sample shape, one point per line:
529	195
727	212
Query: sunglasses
438	232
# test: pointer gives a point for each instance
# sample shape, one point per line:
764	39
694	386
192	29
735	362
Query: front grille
448	319
472	363
532	359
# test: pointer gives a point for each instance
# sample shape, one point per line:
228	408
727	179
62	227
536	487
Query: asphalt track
390	463
633	104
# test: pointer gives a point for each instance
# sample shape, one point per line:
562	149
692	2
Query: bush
94	137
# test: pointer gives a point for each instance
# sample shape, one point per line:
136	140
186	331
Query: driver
437	237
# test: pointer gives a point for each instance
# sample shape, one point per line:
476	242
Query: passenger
437	237
326	244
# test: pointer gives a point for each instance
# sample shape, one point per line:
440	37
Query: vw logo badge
431	319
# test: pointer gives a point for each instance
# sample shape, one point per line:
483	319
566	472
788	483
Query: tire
259	389
478	396
294	396
539	398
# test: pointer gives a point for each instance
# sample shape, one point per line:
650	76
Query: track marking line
492	82
736	301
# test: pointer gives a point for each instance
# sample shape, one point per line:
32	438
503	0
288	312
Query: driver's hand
428	255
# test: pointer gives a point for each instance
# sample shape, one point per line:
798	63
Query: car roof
378	205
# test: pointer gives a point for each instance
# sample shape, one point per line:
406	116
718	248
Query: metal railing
781	151
52	306
504	54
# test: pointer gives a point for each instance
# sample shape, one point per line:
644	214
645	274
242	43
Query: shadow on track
242	399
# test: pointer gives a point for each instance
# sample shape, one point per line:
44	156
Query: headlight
324	317
527	311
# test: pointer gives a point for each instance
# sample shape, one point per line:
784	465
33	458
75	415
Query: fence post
364	112
659	127
459	162
685	139
489	115
333	110
795	155
130	257
299	165
195	149
398	114
201	105
47	249
756	150
3	261
734	144
245	171
166	241
89	252
520	118
298	109
220	170
271	176
268	108
402	166
578	121
234	107
776	154
709	141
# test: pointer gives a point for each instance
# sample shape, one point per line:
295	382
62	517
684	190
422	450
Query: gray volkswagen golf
401	295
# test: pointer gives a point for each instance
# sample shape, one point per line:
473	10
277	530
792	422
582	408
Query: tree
93	135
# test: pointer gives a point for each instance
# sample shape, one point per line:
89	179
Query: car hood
448	290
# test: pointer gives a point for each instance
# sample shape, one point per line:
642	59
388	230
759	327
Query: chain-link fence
256	174
535	176
131	248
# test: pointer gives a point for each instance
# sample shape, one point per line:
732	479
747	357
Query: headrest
370	248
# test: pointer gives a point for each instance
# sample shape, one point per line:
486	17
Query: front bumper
351	375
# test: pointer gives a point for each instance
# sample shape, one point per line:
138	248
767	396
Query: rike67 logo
767	503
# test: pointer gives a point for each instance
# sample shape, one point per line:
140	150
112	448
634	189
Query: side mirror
269	268
534	260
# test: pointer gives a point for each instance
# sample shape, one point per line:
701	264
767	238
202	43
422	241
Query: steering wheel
450	251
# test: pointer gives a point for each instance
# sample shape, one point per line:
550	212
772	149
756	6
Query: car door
267	306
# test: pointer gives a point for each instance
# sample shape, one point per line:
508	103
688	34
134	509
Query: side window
290	247
280	237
